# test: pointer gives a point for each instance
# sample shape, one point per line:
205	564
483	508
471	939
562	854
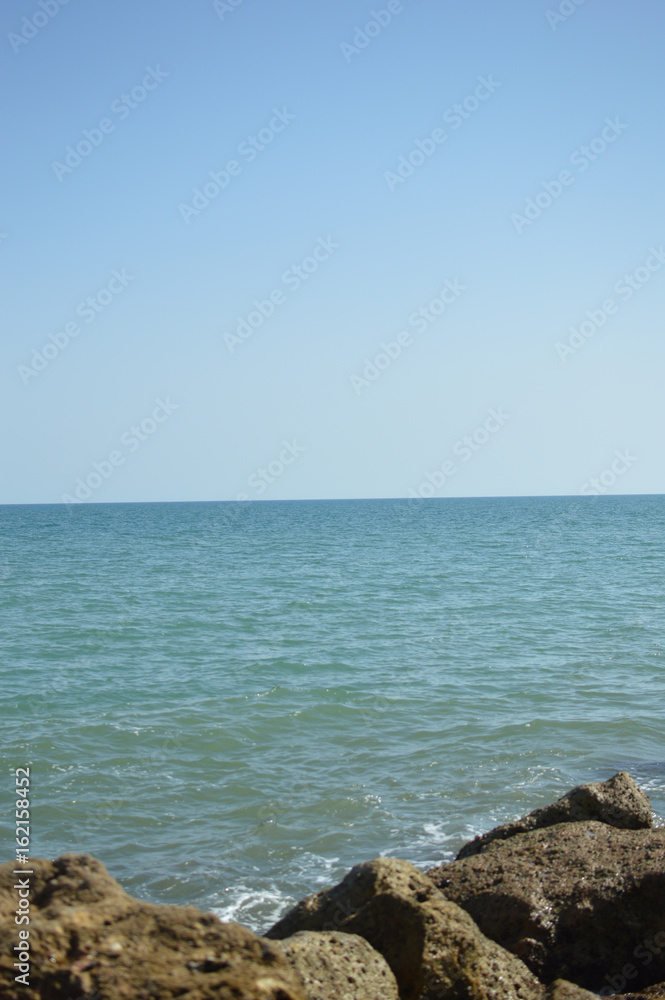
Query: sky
266	251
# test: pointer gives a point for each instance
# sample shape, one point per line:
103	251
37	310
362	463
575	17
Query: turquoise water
232	704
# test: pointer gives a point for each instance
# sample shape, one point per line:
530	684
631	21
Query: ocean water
232	704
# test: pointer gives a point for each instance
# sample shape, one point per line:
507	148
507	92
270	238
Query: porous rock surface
561	989
334	965
433	948
578	901
618	802
89	937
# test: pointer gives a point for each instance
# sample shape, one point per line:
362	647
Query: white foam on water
255	909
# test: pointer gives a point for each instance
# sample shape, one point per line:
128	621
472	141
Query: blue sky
314	323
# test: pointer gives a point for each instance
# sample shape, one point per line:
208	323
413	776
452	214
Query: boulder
333	965
433	948
89	937
579	901
618	802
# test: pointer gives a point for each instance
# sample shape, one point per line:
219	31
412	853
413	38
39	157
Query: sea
231	704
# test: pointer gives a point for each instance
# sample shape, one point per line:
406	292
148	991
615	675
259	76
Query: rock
656	992
88	936
433	948
580	901
333	965
618	802
561	989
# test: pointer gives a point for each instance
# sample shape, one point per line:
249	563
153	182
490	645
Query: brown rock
333	965
87	935
618	802
433	948
579	901
561	989
656	992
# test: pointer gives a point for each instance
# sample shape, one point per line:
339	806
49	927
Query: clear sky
323	250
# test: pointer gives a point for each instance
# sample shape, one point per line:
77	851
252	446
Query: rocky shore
563	904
